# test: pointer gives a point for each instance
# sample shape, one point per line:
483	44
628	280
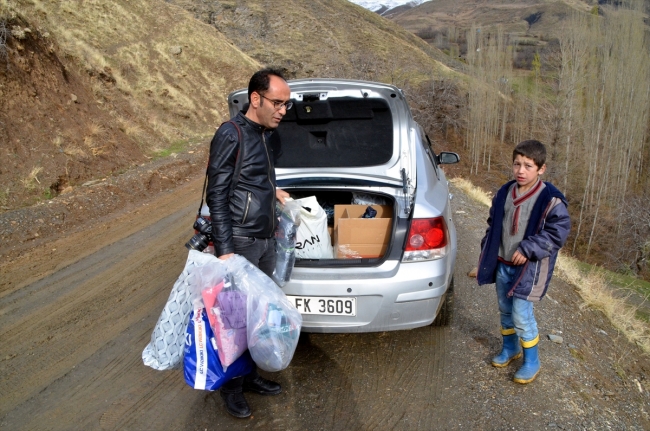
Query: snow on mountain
382	5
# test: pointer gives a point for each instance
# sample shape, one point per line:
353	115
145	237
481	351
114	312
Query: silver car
356	143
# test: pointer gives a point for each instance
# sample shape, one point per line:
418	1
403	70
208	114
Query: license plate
324	305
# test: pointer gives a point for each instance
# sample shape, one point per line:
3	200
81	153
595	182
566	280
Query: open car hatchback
354	144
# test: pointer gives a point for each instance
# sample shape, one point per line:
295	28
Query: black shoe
236	404
262	386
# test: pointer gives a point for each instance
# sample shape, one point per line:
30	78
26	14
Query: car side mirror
448	158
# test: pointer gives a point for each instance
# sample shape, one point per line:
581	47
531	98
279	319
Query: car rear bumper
391	297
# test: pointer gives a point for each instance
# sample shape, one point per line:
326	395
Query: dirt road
76	313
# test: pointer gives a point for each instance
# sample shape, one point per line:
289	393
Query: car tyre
446	311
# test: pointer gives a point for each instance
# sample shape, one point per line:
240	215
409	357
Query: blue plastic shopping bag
201	362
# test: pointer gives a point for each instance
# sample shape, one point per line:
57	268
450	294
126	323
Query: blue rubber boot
530	369
510	350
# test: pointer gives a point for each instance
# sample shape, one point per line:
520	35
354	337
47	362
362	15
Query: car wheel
446	311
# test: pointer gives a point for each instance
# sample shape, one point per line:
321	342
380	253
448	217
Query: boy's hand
518	258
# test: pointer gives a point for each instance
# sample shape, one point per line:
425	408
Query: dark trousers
261	253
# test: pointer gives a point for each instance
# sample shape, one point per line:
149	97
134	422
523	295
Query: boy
527	226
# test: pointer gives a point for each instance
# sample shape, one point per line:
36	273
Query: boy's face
526	172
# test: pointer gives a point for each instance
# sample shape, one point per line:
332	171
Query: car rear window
338	132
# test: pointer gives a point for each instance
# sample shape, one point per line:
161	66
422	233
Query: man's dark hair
533	150
260	81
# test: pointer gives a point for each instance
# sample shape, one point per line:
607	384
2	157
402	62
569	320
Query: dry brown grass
32	181
4	196
76	152
93	139
474	192
592	287
96	129
597	294
131	128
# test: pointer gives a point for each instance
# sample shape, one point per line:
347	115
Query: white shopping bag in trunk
312	239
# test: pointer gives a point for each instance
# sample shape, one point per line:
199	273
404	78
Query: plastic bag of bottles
285	240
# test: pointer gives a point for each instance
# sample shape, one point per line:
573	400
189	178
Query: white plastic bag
285	241
165	350
272	322
312	239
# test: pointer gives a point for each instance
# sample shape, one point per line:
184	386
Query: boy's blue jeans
515	312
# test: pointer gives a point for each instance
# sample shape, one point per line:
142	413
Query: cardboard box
357	237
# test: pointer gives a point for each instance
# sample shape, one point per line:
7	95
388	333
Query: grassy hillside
326	38
92	88
151	52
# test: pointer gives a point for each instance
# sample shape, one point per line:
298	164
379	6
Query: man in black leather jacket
242	204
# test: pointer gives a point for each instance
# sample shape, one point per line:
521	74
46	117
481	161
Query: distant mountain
525	18
383	6
333	38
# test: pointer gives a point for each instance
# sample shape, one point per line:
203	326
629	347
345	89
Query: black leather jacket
250	211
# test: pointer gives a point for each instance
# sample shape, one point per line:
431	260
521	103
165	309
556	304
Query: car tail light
426	240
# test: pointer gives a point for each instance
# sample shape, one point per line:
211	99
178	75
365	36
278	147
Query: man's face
278	93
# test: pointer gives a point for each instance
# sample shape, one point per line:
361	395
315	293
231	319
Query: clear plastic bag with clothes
285	240
226	311
165	350
272	322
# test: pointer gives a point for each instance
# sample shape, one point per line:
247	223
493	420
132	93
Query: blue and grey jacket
546	232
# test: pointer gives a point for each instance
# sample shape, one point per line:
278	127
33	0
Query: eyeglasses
277	104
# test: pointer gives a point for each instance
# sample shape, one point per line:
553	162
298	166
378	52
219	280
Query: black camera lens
198	242
201	239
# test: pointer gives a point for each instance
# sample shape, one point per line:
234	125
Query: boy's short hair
259	82
532	149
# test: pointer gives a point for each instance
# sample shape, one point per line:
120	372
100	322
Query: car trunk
358	235
357	132
342	140
339	132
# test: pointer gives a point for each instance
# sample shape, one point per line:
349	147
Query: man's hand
226	256
518	258
281	195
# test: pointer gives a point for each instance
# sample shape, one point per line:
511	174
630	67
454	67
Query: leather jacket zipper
249	197
268	176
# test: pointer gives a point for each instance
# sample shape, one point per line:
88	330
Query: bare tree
491	66
603	92
3	40
597	120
